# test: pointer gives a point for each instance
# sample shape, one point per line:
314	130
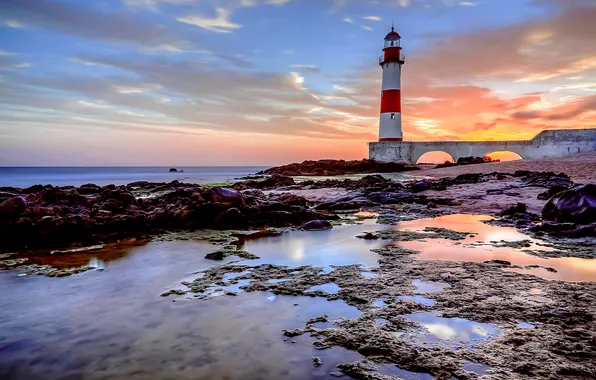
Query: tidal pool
114	324
476	248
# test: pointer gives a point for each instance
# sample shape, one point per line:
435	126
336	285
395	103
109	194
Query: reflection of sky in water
470	249
379	303
337	246
525	325
477	368
450	329
421	300
329	288
369	275
428	286
395	371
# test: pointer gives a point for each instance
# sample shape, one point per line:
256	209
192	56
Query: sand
581	168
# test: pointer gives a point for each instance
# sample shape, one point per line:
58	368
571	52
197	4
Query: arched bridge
548	143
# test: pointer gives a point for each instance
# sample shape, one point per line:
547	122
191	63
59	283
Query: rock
12	208
368	236
315	225
551	191
445	164
276	180
219	255
500	262
292	333
316	361
224	196
338	167
519	208
173	170
420	186
577	205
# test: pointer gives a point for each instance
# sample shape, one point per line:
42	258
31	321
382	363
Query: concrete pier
548	143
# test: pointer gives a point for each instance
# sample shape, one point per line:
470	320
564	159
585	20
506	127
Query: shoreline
472	277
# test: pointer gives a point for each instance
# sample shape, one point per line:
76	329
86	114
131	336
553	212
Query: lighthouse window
392	116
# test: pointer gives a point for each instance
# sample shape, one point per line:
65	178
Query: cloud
368	28
372	18
306	68
467	4
348	20
117	27
220	24
153	5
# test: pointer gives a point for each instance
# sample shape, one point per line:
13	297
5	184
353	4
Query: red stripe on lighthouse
391	139
391	101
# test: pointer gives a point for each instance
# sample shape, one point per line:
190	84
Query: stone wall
549	143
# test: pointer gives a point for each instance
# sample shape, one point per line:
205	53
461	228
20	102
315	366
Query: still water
114	324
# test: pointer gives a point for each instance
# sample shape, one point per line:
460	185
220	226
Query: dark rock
219	255
172	170
420	186
314	225
12	208
338	167
500	262
577	205
368	236
224	196
519	208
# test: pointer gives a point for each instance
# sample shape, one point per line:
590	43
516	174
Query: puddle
337	246
421	300
474	249
277	280
477	368
369	275
112	324
97	256
380	321
450	331
429	286
525	325
495	298
330	288
395	371
379	303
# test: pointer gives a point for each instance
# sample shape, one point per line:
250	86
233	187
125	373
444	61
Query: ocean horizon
25	176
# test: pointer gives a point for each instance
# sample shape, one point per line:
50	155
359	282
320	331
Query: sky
267	82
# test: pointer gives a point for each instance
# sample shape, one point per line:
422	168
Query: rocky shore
338	167
522	324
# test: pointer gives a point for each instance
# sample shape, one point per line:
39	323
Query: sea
120	175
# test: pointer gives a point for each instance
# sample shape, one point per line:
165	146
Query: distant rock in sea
174	170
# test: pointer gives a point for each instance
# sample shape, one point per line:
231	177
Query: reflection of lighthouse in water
391	62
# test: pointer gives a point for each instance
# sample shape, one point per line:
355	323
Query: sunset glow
264	82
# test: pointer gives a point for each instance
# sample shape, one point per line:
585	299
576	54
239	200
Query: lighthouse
391	62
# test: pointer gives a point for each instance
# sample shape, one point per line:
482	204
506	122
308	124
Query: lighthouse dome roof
393	35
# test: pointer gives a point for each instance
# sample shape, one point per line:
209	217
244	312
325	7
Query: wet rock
12	208
173	170
420	186
293	333
577	205
224	196
316	361
315	225
551	191
338	167
219	255
276	180
322	318
368	236
519	208
499	262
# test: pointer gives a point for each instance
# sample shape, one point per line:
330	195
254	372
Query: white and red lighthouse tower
391	61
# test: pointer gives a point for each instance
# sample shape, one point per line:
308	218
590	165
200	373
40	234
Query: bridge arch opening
434	157
505	155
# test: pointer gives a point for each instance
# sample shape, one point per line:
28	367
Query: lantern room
392	39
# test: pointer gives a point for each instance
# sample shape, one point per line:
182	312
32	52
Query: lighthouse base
548	143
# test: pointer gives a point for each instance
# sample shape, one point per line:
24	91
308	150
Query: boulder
173	170
219	255
519	208
315	225
420	186
224	196
12	208
576	205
